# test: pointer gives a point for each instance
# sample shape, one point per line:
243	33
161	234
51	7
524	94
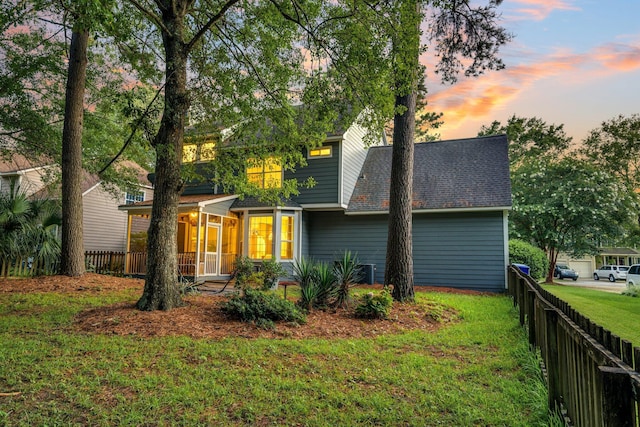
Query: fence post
617	402
520	293
551	358
531	300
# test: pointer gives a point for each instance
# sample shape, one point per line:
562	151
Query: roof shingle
464	173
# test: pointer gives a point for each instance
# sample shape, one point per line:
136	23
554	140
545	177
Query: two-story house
462	194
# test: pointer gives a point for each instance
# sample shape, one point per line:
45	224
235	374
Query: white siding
104	226
353	156
29	182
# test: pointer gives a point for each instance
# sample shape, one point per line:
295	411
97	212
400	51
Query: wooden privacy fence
592	374
27	266
105	262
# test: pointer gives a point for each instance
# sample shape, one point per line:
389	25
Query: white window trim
277	228
134	200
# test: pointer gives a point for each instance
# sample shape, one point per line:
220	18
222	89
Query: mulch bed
202	316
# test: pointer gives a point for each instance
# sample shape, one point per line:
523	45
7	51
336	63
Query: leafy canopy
568	205
529	138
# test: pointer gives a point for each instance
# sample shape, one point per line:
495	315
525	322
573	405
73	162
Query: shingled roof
468	173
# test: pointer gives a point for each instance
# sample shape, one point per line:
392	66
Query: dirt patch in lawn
202	316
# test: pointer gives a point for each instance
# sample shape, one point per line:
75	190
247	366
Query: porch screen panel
260	237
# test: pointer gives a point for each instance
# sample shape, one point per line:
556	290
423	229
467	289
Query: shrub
303	272
325	282
631	291
262	308
271	270
373	306
244	268
521	252
348	273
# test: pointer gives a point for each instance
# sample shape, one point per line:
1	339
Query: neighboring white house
104	225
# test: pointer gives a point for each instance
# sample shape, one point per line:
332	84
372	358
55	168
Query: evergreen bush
521	252
262	308
373	306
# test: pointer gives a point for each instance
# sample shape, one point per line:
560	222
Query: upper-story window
201	151
130	198
265	173
324	151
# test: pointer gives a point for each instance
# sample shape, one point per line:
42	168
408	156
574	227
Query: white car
633	275
611	272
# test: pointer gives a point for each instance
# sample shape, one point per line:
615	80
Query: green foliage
28	231
348	273
244	268
614	147
521	252
568	205
262	308
631	291
530	138
372	306
304	272
187	287
325	282
271	271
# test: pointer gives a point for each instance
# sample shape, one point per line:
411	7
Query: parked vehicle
562	271
612	272
633	275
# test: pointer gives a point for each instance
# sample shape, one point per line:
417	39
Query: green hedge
521	252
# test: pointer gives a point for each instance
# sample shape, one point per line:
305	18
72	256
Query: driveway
601	285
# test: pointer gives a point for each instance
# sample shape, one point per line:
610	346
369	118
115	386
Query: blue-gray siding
325	172
461	250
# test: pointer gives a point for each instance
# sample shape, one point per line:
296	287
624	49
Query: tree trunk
553	259
406	46
72	258
161	290
399	268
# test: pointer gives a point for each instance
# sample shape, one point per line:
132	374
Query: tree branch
210	23
133	131
152	16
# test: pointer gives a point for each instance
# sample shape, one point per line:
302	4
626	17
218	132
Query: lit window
207	151
189	153
261	237
266	173
130	198
324	151
198	151
286	237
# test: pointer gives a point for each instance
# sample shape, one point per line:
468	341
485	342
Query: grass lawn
476	371
618	313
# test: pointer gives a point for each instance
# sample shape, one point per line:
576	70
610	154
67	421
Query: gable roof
15	163
457	174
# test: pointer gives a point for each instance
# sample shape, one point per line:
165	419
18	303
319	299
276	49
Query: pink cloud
540	9
480	98
618	57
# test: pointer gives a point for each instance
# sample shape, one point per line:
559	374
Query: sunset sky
571	62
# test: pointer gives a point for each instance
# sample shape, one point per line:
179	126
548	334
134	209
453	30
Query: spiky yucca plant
348	273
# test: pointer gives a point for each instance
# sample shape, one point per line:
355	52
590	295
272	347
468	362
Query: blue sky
571	62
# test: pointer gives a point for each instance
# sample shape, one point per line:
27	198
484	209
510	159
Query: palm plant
348	273
325	281
28	231
303	273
